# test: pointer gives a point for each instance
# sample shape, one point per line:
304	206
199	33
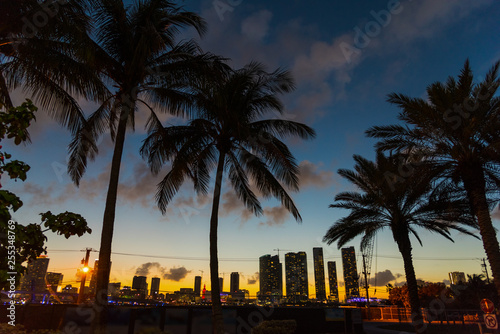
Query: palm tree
230	135
457	128
135	52
400	203
44	49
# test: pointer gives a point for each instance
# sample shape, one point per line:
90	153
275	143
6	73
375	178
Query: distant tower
197	286
235	282
270	277
34	278
155	286
350	272
221	284
457	278
332	280
319	273
297	287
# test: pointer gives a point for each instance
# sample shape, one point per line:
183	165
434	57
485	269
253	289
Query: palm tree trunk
218	321
405	248
101	300
475	186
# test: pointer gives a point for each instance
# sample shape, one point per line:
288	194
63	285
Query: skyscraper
221	284
270	277
296	276
53	280
140	284
155	286
197	286
332	280
319	273
235	282
350	272
457	278
34	278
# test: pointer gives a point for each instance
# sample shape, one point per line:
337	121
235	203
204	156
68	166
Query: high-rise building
270	277
93	279
114	288
332	280
53	280
235	282
350	272
319	273
197	286
34	278
457	278
297	287
221	284
139	283
155	286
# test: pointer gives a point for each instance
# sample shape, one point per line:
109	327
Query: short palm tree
457	128
230	134
136	54
400	203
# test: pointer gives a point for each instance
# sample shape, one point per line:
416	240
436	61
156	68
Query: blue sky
345	57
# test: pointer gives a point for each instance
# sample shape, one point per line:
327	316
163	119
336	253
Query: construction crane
284	250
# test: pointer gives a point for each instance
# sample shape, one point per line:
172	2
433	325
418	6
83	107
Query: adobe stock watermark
364	35
222	7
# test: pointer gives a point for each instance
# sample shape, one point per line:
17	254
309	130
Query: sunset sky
346	56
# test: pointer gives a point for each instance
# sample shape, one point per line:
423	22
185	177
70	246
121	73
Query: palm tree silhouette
457	128
230	134
400	203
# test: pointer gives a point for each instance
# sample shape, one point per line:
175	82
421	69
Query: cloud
172	274
382	278
256	26
176	274
311	176
231	204
495	214
253	279
275	216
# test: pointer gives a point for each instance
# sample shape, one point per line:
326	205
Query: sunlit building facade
34	277
457	278
350	272
52	281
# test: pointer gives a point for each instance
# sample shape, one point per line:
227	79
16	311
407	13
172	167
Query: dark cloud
253	279
382	278
172	274
310	175
231	204
495	214
176	274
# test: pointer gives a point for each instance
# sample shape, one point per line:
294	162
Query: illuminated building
350	272
296	276
457	278
197	286
270	277
34	278
235	282
155	286
332	280
319	273
53	280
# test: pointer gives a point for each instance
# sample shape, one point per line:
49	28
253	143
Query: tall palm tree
44	48
230	134
390	200
135	53
457	128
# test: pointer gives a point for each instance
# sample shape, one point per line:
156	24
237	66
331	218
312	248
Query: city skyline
339	96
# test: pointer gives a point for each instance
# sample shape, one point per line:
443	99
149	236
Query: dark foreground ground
377	327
